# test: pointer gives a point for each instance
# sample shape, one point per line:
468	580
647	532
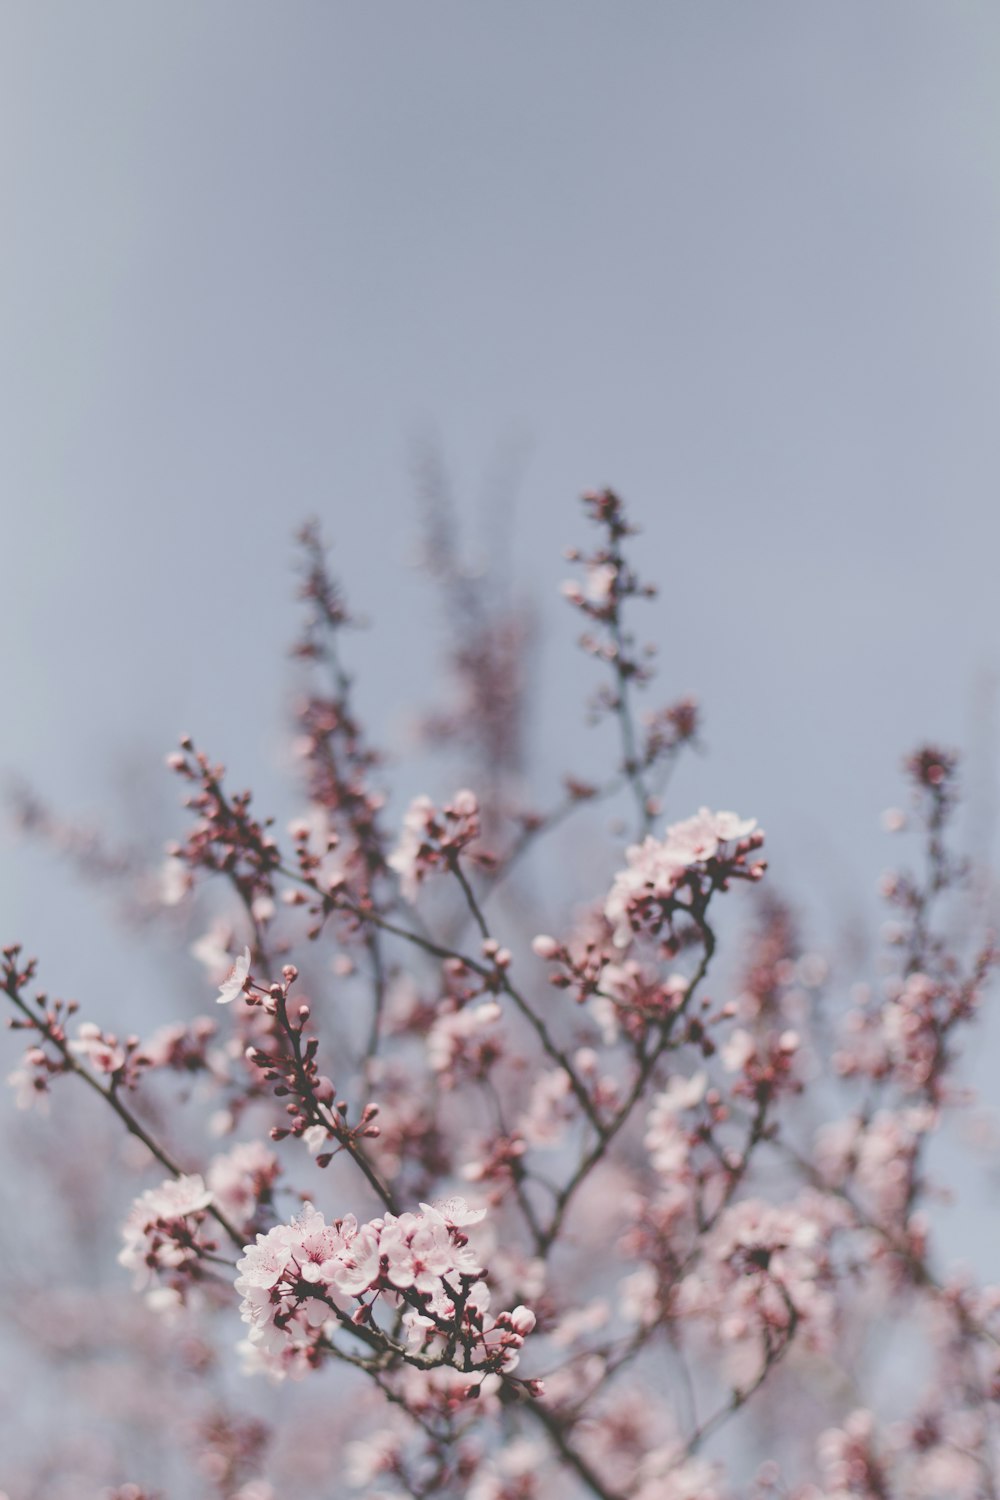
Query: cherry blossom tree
430	1202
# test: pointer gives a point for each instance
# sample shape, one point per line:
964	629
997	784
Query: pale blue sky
739	260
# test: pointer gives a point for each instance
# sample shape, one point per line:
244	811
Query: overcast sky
740	260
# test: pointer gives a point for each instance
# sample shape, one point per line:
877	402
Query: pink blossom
430	840
514	1470
183	1047
599	587
103	1053
367	1458
765	1272
235	981
30	1081
545	947
161	1232
175	881
241	1178
666	1140
463	1037
455	1212
212	950
876	1156
316	1137
656	869
420	1252
295	1278
665	1474
549	1111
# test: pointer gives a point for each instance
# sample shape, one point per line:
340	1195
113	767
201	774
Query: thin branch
110	1097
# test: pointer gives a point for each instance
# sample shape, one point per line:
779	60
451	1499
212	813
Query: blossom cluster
433	840
301	1280
679	872
163	1234
766	1273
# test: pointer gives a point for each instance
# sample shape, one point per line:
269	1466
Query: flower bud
544	946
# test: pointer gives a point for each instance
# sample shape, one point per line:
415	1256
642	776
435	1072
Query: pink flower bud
544	946
522	1320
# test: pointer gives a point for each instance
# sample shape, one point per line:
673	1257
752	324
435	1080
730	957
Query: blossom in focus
430	840
656	868
235	981
294	1279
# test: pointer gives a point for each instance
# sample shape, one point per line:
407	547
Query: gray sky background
739	260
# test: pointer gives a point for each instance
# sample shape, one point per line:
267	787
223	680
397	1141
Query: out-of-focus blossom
161	1232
